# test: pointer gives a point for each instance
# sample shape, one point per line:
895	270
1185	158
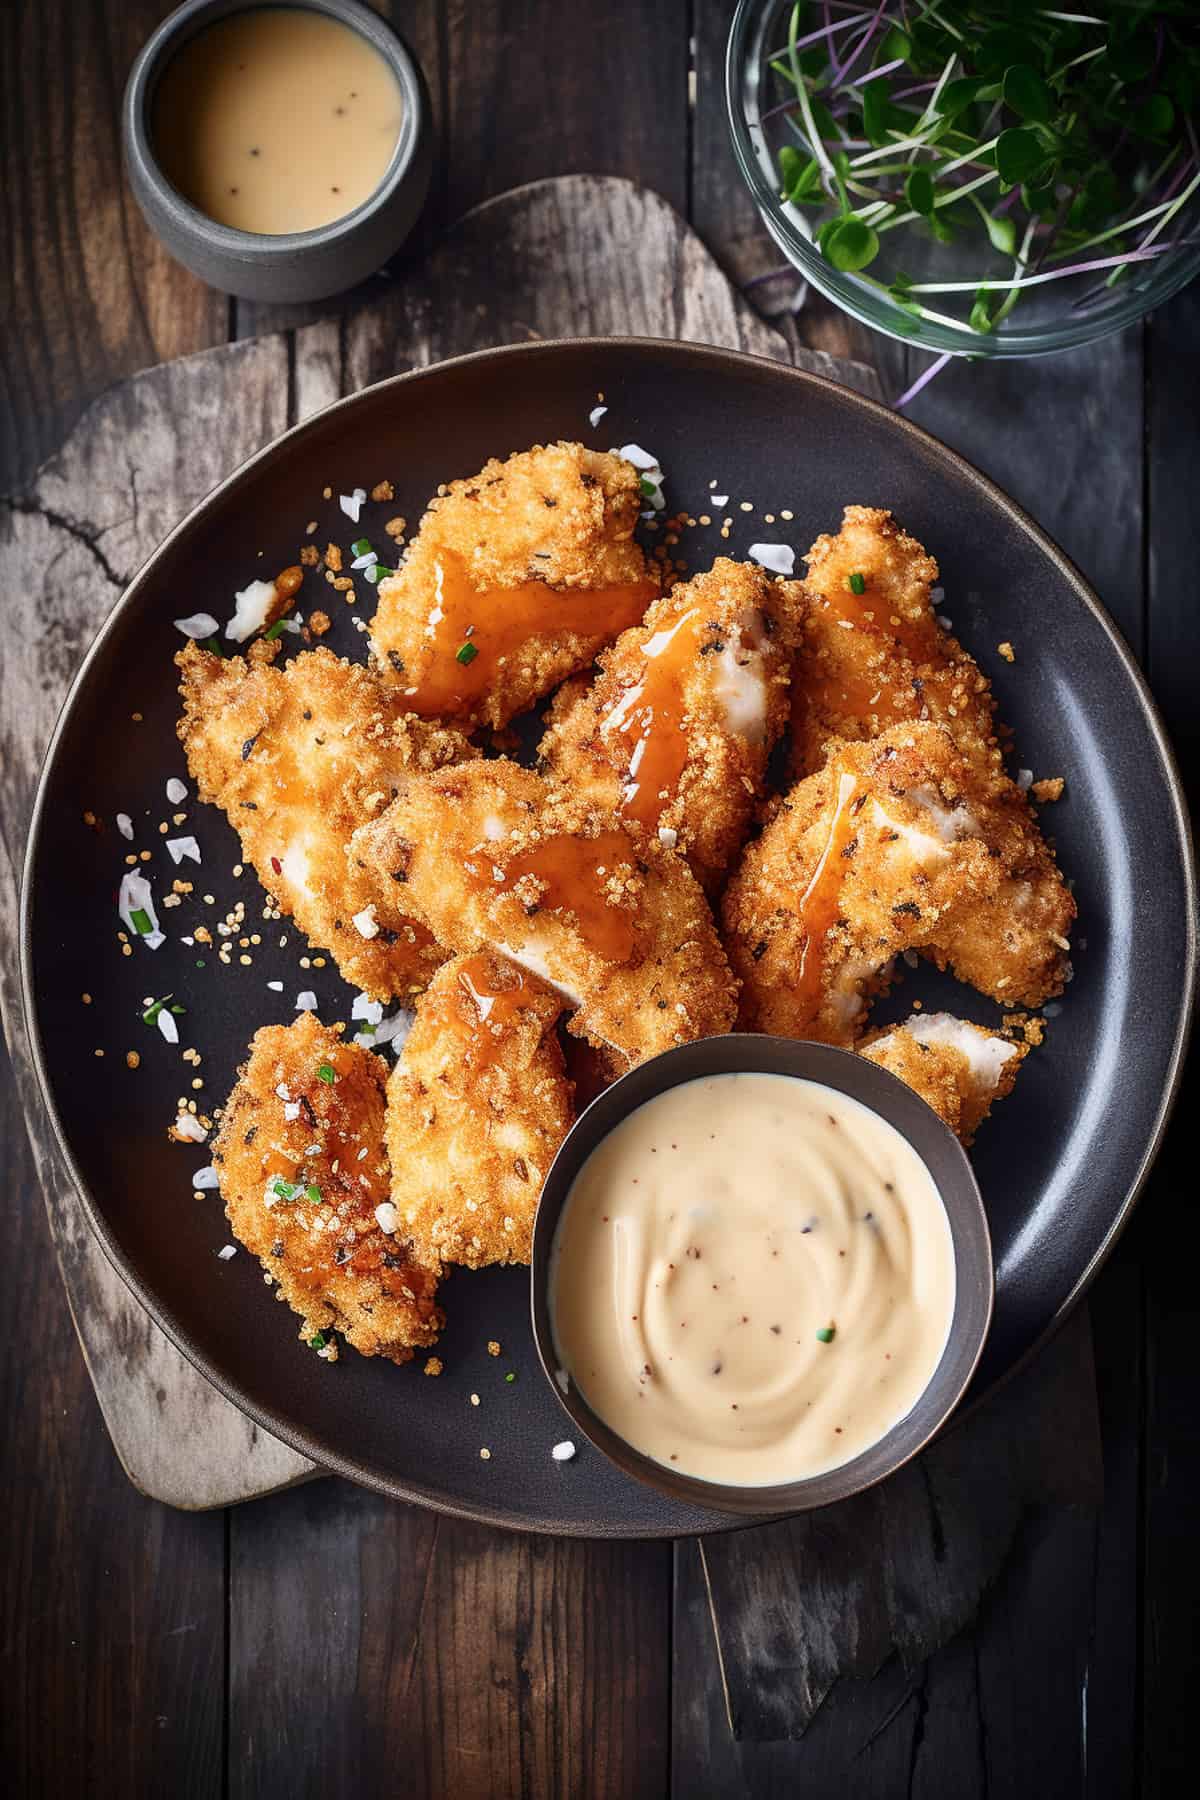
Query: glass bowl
1056	315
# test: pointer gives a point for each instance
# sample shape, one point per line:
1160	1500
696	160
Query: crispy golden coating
676	730
958	1068
298	757
516	578
476	1109
889	848
303	1168
874	658
491	856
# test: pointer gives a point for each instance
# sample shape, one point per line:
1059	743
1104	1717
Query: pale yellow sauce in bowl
762	1282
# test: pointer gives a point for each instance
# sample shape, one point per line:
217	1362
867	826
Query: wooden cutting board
795	1607
574	257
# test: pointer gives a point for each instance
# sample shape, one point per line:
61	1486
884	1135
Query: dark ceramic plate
1060	1164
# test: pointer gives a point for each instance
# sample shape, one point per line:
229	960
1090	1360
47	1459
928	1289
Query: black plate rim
296	1437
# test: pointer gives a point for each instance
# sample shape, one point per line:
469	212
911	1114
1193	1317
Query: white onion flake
252	609
137	896
649	471
366	1008
352	504
563	1452
307	1001
178	848
206	1178
365	922
779	558
176	790
595	416
197	625
125	825
165	1020
188	1126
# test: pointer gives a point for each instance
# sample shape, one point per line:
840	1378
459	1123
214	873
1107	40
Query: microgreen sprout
1043	135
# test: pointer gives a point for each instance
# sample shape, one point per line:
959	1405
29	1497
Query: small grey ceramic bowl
300	265
937	1147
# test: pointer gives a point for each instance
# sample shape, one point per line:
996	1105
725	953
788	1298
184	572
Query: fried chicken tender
491	856
873	654
958	1068
889	848
516	578
304	1176
476	1109
297	757
676	731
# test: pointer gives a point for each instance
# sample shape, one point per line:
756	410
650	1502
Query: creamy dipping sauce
277	120
752	1279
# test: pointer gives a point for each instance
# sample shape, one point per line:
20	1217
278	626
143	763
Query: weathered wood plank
370	1636
111	1608
723	213
88	294
97	510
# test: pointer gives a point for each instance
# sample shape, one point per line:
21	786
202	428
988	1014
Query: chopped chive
511	1376
140	920
325	1073
825	1334
200	963
466	653
366	1031
317	1341
152	1012
312	1192
856	583
361	546
275	630
648	488
177	1008
284	1190
212	645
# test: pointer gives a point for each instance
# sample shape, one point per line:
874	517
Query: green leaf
1026	92
1130	55
941	228
851	245
800	176
981	316
918	191
1154	117
897	44
1039	198
1019	154
956	96
1003	234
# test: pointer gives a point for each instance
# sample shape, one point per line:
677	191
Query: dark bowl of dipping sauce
281	153
761	1274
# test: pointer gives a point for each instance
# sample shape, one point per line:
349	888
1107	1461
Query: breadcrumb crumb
434	1366
1007	652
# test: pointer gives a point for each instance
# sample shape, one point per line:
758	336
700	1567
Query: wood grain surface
324	1640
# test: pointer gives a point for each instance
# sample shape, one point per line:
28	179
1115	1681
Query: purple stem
874	74
922	381
814	37
839	75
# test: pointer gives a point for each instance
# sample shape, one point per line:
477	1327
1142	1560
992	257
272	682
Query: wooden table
325	1639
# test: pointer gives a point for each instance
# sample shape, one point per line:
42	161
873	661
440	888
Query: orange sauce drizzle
572	872
818	905
497	623
482	1005
870	611
649	720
